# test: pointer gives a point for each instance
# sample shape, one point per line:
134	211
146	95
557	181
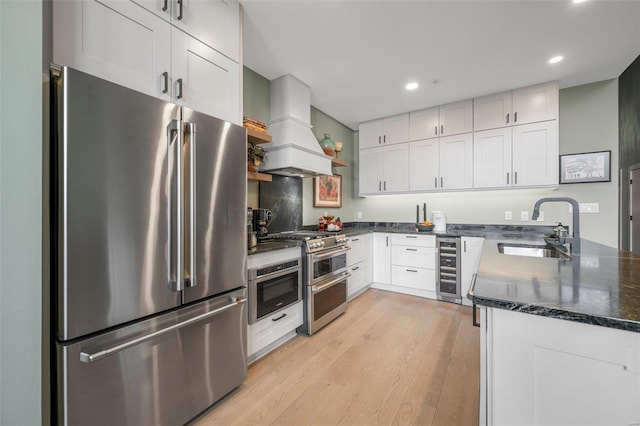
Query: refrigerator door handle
189	206
103	353
176	220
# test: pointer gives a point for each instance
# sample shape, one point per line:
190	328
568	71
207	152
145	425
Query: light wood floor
390	359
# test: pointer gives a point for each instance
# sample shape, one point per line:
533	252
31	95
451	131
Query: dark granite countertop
598	286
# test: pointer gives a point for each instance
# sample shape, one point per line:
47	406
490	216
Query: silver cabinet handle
435	182
174	188
355	239
379	186
441	182
385	185
515	117
103	353
464	244
507	178
165	5
507	118
436	130
411	270
411	249
180	5
179	83
441	129
387	241
355	268
410	236
384	139
515	178
379	139
165	82
189	182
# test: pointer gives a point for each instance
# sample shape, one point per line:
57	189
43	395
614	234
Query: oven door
273	292
326	264
326	302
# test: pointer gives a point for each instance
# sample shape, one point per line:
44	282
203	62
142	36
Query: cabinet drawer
356	254
415	240
418	278
356	281
271	328
418	257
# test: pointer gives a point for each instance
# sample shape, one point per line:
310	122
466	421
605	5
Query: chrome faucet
574	240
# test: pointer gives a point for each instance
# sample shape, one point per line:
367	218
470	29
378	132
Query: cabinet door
160	8
424	165
535	154
215	23
424	124
396	168
370	134
210	81
367	264
469	263
135	55
370	171
456	118
382	258
492	158
535	103
456	161
492	111
395	129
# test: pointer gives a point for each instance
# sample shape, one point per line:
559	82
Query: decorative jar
327	145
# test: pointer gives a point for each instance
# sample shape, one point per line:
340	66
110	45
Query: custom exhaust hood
294	151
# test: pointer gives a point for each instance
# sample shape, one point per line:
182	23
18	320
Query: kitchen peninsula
560	337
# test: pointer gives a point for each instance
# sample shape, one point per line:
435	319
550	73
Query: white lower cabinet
469	263
359	264
267	333
411	263
382	258
546	371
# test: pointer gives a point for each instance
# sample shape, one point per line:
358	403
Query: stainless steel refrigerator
148	255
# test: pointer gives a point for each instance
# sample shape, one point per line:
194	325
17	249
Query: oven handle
328	254
317	289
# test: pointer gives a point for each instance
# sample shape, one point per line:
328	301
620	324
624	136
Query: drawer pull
411	236
279	318
411	270
411	249
355	267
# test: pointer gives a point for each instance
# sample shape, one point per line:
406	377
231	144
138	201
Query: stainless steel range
325	276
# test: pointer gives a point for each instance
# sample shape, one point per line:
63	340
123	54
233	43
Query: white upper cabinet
521	106
456	162
135	55
492	158
441	164
216	23
450	119
535	154
424	124
204	79
456	118
384	131
384	169
138	47
424	165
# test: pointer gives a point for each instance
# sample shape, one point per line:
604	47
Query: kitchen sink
532	250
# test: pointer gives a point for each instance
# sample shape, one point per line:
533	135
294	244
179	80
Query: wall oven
326	287
274	287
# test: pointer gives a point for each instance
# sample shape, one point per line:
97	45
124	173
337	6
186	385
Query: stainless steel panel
164	380
635	209
220	204
111	158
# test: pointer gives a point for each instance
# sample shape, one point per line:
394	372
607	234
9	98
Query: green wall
21	212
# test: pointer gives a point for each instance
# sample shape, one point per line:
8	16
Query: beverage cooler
448	269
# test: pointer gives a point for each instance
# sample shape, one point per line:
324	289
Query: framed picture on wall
327	191
586	167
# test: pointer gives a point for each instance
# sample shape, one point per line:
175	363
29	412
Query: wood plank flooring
391	359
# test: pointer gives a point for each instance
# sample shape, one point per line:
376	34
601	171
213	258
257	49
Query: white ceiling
357	55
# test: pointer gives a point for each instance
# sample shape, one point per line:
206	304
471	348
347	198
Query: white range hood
294	150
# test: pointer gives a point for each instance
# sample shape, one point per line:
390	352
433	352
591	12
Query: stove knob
312	245
321	243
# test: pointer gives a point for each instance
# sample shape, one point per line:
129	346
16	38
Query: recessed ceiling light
411	86
556	59
578	1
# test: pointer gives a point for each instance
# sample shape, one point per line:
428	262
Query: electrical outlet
541	216
589	208
359	215
508	215
524	215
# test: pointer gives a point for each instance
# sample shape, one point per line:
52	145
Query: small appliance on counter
439	220
261	220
